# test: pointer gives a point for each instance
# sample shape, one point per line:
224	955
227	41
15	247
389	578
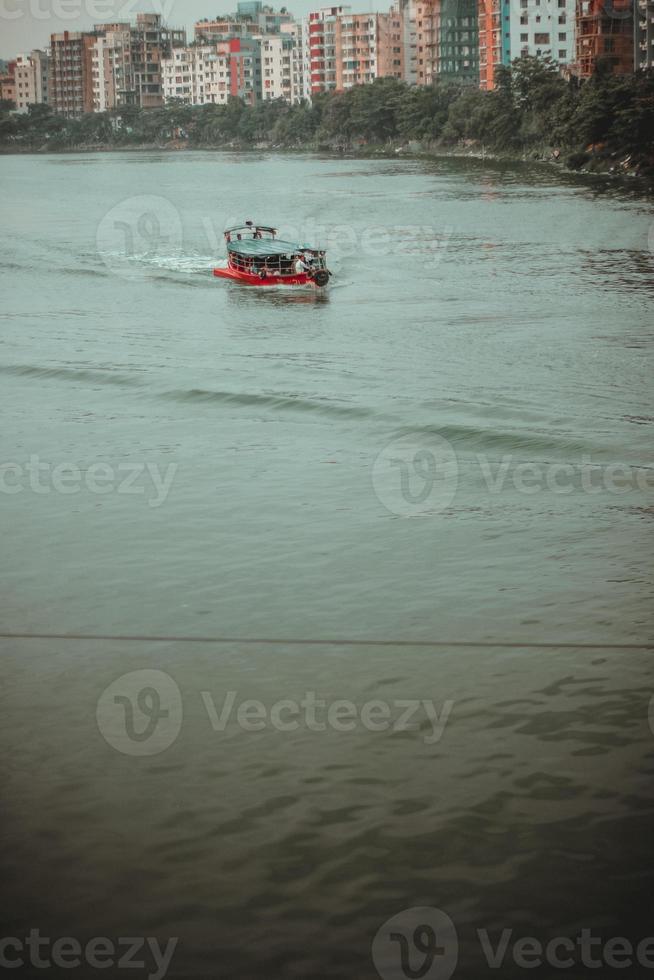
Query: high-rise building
202	74
447	41
151	41
643	34
299	67
41	60
356	59
458	41
391	44
324	29
347	49
407	11
70	91
605	35
544	29
31	79
111	67
427	30
277	68
508	30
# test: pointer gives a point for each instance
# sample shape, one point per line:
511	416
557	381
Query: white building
111	68
31	79
297	31
198	75
277	68
543	28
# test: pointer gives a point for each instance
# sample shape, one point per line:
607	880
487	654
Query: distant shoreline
601	168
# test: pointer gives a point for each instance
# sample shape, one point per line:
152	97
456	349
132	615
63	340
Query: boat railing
274	265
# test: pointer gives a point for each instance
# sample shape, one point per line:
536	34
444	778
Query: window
524	37
541	39
563	54
562	37
524	19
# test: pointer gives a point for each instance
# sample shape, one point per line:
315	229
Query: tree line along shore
605	124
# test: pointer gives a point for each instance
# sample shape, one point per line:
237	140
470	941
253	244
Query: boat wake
147	264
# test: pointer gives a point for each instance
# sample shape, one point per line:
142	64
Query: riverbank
603	126
593	162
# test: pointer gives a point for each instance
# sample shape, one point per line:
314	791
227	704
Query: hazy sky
27	24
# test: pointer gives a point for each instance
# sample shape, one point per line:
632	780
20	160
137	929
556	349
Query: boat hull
251	279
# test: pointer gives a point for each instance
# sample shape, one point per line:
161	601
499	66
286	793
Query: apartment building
299	59
111	75
544	28
391	44
347	49
356	60
204	74
70	91
427	18
31	79
277	81
324	30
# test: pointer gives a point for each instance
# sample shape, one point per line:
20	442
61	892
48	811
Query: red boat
256	257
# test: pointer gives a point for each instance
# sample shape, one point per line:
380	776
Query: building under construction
605	35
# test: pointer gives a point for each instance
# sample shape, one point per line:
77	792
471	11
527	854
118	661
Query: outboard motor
321	277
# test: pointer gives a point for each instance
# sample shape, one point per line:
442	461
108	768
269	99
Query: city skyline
32	27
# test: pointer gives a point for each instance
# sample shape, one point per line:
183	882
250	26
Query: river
360	581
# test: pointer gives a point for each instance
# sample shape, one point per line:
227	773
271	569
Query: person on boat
301	265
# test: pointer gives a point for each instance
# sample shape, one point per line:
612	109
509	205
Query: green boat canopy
267	246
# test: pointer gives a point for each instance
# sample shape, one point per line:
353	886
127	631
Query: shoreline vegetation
602	126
